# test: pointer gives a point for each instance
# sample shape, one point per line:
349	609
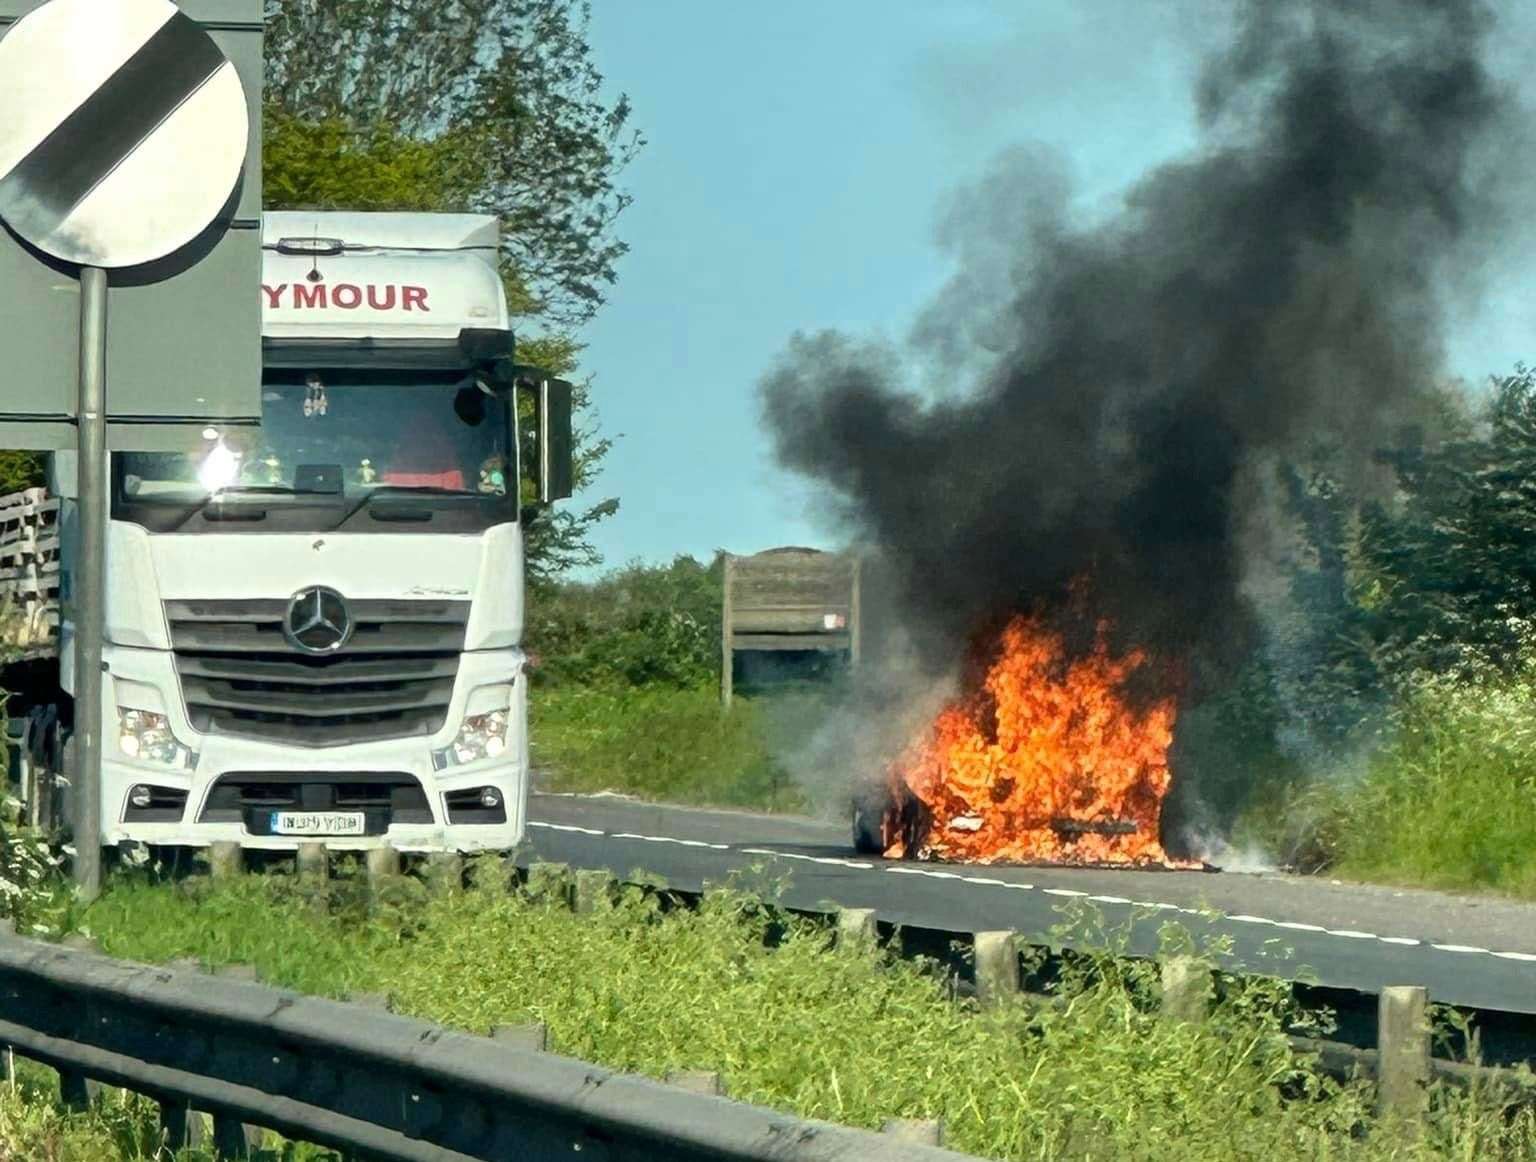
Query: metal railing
365	1081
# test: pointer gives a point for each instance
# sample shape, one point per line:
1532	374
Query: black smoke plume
1127	396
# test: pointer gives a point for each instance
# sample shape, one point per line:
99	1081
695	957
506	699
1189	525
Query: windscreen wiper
239	492
389	490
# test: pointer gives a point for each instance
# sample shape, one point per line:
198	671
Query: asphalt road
1478	952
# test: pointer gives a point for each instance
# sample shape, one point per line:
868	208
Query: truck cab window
327	440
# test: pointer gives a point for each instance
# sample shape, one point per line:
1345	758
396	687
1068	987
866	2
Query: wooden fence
29	574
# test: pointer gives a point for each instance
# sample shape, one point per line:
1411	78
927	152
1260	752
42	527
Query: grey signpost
123	136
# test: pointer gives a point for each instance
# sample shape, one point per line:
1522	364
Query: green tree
1455	557
487	105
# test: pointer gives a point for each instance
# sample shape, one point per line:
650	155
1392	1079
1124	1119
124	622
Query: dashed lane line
566	827
1070	893
670	839
826	859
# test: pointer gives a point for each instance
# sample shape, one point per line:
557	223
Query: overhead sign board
130	139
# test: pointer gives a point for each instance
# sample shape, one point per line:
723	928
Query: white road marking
566	827
1071	893
808	858
669	839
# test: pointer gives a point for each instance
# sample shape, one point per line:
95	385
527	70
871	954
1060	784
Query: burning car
1048	756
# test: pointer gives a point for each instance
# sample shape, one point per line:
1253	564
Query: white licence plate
317	823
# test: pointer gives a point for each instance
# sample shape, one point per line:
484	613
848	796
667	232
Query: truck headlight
145	736
481	736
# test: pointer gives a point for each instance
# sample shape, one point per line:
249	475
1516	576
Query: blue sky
799	156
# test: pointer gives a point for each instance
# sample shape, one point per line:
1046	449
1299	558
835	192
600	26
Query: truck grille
252	797
393	678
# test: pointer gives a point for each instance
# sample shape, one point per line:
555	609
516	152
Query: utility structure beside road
789	599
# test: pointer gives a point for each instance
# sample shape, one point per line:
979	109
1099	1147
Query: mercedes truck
314	625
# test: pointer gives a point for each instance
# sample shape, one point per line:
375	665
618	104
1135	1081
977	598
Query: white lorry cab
314	625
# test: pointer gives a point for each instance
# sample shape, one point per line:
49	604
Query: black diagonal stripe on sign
107	126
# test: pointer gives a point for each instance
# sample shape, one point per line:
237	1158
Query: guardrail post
997	967
915	1131
445	872
226	858
76	1091
549	881
705	1081
594	889
383	862
533	1036
857	928
313	863
1402	1043
232	1138
184	1128
1186	989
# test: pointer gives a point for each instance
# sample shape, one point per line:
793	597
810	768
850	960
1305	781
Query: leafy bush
747	989
19	470
33	893
642	625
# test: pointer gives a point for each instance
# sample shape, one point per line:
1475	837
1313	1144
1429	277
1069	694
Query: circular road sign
122	130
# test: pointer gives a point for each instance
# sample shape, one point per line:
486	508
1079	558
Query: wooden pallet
29	574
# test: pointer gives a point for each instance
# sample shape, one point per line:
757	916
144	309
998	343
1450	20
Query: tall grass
757	994
658	742
1450	802
119	1127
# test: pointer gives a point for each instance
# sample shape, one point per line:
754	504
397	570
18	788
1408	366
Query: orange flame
1048	761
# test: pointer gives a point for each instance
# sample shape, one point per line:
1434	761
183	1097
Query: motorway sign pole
90	578
123	132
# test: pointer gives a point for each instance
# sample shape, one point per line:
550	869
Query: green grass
668	744
34	1126
1448	802
119	1127
827	1034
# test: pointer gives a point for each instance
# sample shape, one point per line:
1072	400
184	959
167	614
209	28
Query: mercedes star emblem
318	621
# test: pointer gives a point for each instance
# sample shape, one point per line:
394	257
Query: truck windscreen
361	450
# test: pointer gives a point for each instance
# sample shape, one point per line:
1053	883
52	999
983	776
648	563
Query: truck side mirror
557	467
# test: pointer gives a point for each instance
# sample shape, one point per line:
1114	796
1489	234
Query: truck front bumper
238	782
